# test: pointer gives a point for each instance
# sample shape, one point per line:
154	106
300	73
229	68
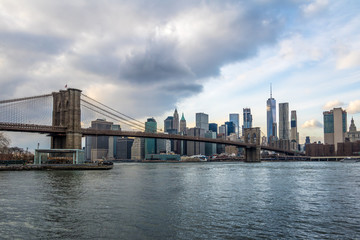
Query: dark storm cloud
33	42
158	62
183	88
172	47
237	38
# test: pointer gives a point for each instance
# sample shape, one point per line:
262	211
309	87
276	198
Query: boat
350	160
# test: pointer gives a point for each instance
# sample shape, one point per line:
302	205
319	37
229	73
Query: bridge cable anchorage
127	122
111	117
137	122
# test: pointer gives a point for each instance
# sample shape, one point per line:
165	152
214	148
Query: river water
280	200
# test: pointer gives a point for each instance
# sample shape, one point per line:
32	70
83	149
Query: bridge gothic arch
67	113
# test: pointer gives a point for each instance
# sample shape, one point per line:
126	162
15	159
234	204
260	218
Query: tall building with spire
176	121
271	116
352	127
352	135
183	124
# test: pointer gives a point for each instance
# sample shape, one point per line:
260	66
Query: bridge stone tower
67	113
252	135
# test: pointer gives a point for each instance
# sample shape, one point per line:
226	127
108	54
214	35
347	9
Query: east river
288	200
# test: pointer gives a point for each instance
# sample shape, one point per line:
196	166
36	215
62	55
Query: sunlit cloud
332	104
353	107
312	124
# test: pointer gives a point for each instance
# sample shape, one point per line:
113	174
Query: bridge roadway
45	129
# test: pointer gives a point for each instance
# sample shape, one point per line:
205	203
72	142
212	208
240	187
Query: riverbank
30	167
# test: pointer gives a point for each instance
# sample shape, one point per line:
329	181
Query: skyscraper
176	121
222	129
213	127
137	149
230	127
97	147
335	125
169	124
247	119
284	121
183	124
150	143
234	117
271	116
202	121
196	148
294	135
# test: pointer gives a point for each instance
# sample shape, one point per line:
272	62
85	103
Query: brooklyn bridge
69	109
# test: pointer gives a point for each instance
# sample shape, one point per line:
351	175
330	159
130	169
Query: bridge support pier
67	113
252	135
252	154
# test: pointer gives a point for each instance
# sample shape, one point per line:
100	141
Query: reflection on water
184	201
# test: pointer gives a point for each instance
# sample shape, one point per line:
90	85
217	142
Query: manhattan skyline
148	58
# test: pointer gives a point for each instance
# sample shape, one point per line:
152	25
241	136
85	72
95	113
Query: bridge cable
125	121
142	123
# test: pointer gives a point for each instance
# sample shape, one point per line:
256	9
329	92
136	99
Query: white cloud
315	7
348	60
332	104
312	124
353	107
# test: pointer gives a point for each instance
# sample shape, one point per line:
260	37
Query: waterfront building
97	147
176	121
284	121
202	121
138	149
210	148
169	124
234	117
150	143
213	127
112	143
196	148
271	116
230	127
352	135
163	146
123	148
247	119
183	124
335	125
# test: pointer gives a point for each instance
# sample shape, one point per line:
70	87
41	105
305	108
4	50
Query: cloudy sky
145	58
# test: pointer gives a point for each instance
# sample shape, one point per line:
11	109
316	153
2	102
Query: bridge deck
94	132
